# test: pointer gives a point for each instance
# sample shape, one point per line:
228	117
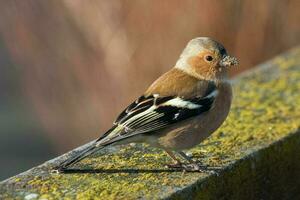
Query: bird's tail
78	157
90	149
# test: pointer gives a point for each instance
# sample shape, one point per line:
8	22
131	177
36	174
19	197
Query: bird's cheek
195	61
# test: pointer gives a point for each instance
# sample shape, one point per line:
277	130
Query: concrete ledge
258	150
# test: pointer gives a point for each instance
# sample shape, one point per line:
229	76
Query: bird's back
177	83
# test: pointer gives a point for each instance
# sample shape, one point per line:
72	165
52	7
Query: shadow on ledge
132	171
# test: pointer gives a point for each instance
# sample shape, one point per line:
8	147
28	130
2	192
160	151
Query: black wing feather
167	114
141	104
152	113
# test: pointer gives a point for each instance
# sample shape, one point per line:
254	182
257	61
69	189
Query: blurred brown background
67	67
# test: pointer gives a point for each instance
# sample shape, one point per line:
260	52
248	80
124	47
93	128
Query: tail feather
78	157
98	144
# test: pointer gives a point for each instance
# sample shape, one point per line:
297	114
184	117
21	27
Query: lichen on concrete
257	141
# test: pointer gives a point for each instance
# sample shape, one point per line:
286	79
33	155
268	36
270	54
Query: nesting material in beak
228	61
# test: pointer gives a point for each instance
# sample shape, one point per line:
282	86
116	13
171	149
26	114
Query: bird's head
205	58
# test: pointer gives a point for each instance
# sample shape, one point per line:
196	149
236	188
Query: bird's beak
228	61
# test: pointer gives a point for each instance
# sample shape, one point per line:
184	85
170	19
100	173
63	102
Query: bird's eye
209	58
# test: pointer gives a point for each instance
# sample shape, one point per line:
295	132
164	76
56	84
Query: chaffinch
179	110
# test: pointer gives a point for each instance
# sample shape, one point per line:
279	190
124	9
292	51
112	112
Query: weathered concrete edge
259	68
264	66
51	162
254	163
199	185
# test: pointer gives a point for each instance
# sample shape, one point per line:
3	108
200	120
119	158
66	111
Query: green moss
265	110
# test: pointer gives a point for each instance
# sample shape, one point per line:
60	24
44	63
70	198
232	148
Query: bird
178	111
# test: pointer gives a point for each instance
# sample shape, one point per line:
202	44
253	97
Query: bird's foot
193	167
174	166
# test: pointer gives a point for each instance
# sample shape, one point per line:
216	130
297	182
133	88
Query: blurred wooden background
74	64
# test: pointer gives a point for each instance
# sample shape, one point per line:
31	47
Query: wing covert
154	112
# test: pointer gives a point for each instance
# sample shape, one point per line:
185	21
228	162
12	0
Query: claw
174	166
192	167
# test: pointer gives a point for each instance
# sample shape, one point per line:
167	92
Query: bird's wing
155	112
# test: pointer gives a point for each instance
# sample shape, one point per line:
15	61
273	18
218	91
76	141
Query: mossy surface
261	130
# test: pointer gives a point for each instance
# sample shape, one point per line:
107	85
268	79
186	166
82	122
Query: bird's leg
193	165
177	163
186	157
